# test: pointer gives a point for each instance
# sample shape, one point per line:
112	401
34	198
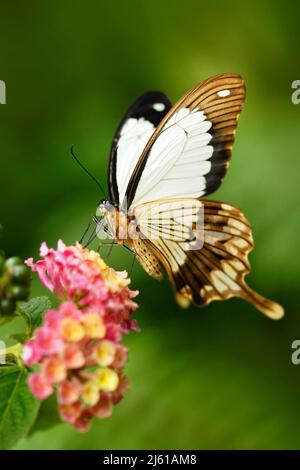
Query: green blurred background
215	378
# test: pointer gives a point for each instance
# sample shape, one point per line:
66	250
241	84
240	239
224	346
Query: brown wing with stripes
217	270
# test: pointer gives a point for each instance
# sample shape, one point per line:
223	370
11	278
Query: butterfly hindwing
147	258
132	134
172	219
217	270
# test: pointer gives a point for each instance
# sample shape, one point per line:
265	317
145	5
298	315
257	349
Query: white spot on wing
223	93
159	106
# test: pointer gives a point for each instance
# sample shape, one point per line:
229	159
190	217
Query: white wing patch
178	160
134	136
180	220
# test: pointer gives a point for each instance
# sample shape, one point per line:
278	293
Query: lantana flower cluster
77	352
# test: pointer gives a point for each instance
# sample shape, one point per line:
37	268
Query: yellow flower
71	329
93	325
107	379
104	353
90	393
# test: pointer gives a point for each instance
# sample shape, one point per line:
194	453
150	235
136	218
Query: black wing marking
151	106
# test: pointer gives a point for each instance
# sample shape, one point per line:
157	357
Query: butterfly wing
184	157
133	132
215	271
187	155
171	219
180	220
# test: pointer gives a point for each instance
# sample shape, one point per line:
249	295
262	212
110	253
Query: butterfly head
106	207
107	211
111	217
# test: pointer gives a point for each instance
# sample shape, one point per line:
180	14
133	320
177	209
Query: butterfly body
163	160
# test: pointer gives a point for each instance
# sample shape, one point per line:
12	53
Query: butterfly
164	159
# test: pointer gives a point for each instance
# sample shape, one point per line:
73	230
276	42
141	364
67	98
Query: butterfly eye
100	209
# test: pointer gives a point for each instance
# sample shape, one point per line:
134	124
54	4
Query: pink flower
77	361
83	423
51	319
54	370
31	353
121	356
80	275
78	348
47	341
71	412
73	357
68	392
104	407
39	386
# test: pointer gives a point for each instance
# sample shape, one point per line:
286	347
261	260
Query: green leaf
6	319
20	337
33	311
18	408
47	416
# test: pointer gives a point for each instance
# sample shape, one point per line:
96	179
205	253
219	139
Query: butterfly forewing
188	153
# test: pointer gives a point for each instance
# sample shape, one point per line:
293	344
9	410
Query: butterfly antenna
87	171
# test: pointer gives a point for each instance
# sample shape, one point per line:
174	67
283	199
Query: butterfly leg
85	231
132	264
91	237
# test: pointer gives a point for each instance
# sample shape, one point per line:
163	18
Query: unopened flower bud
14	283
13	261
17	292
20	273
